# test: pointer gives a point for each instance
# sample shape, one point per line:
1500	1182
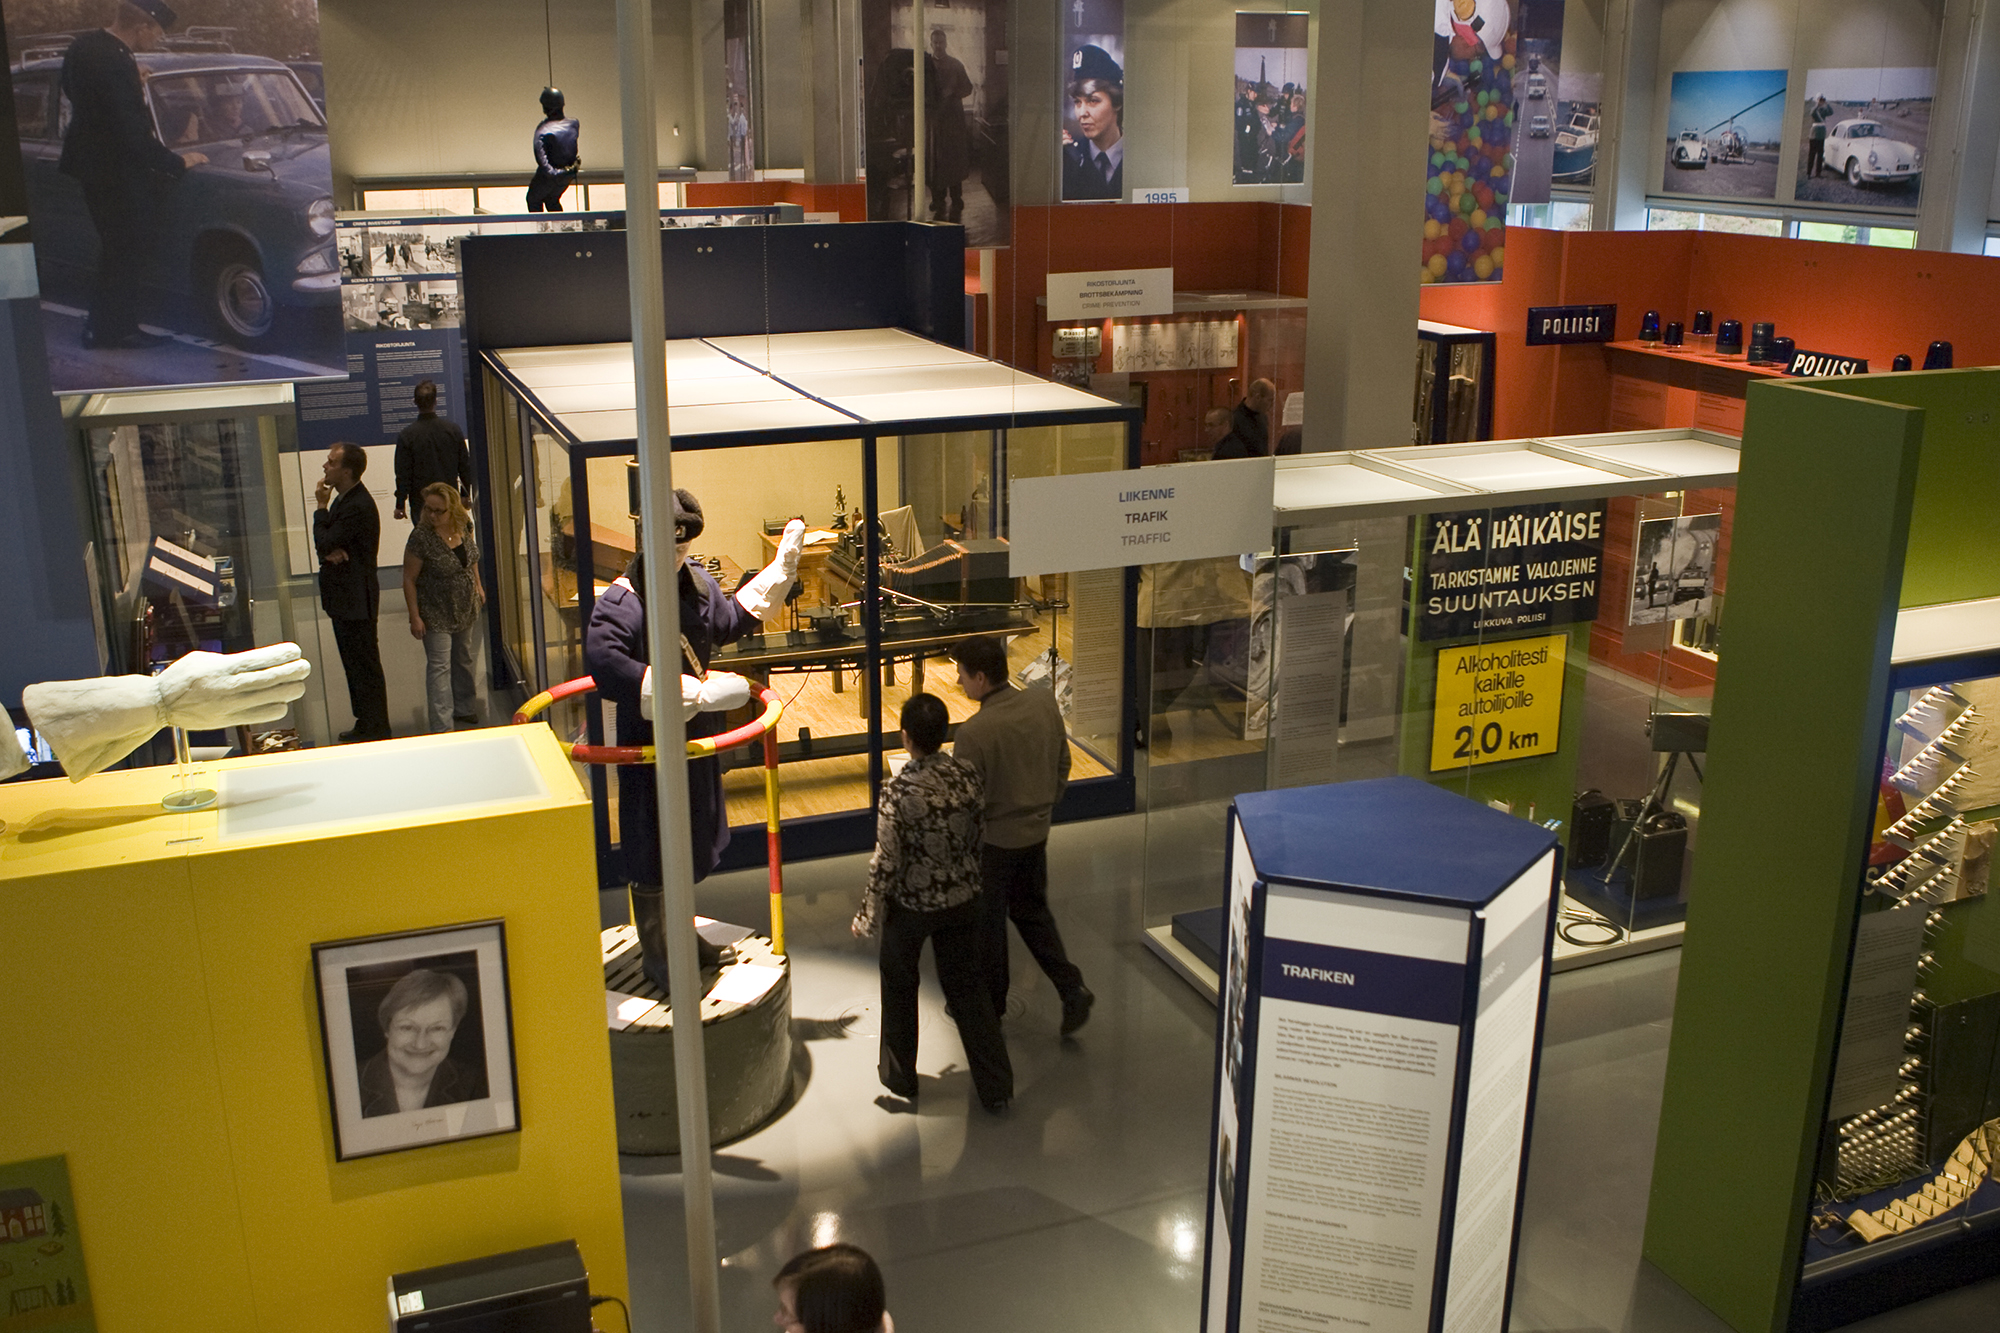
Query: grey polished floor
1082	1208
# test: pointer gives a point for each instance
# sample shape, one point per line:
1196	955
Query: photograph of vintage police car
1862	136
1863	152
246	258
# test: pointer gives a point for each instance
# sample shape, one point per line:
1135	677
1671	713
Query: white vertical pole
920	195
646	292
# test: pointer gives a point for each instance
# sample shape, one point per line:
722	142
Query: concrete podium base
746	1035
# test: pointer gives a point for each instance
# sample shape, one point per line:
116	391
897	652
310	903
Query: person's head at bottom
924	725
419	1016
982	665
833	1289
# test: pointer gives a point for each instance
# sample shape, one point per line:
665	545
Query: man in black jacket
1250	424
347	530
113	151
431	448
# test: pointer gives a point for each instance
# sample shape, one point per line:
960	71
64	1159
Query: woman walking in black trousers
924	883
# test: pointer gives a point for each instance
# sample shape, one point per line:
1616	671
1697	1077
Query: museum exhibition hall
1249	498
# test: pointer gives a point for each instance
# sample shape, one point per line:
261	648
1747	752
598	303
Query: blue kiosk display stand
1386	973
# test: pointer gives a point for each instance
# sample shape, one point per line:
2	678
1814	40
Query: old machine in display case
897	452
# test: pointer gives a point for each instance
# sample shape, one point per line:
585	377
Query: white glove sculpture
13	759
92	724
768	590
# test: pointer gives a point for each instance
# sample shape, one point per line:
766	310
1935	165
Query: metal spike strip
1923	718
1940	746
1939	805
1914	873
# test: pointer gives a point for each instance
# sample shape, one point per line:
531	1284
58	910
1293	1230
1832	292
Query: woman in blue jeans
442	590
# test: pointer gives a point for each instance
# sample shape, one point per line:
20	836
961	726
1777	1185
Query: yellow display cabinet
162	1029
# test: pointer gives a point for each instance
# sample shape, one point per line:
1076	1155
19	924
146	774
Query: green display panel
1855	498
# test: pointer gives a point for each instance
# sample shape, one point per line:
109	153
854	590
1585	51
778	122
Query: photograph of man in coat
113	151
347	532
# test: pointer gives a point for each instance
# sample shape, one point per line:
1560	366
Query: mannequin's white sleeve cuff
92	724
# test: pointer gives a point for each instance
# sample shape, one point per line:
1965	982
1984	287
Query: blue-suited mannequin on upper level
556	155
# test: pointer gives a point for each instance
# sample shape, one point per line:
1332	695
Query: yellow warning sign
1498	701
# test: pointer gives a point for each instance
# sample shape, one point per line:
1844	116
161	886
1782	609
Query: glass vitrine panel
1913	1120
201	544
1378	646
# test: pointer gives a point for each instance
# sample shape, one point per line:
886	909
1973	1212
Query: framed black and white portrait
418	1036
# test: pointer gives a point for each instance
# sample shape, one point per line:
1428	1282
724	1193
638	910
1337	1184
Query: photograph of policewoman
415	1069
1093	155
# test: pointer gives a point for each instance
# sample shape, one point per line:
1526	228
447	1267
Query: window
33	98
1899	238
1672	219
1556	215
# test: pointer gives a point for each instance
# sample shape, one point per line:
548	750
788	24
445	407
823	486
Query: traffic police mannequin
616	655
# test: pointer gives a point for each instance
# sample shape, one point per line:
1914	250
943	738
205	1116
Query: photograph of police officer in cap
1093	150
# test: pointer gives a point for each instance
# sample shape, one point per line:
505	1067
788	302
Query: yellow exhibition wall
161	1029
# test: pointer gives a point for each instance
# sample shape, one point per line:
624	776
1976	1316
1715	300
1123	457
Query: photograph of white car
1690	150
1538	127
1863	135
1861	151
1726	131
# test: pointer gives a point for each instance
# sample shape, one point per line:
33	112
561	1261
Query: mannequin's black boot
649	919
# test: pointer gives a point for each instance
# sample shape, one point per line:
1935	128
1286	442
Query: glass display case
1454	395
898	453
1912	1126
1490	617
197	539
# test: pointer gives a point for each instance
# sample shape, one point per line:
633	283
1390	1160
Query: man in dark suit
431	448
113	151
1250	424
347	530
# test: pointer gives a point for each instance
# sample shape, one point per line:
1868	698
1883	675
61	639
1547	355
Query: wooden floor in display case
839	784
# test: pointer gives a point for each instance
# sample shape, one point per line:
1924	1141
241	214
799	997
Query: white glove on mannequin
92	724
718	693
768	590
13	759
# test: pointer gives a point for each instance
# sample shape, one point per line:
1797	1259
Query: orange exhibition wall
1850	300
850	201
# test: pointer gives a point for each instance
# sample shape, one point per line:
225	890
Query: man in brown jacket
1020	748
